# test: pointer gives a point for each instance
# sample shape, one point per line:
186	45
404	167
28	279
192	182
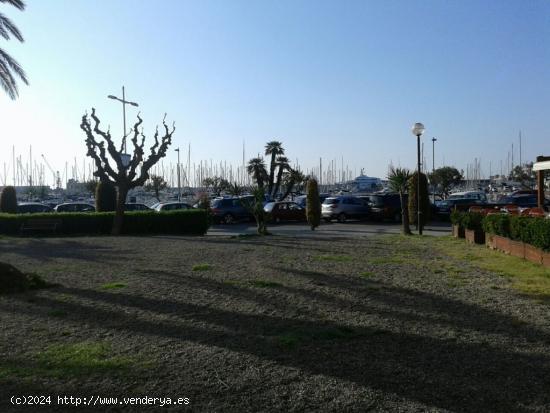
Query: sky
329	79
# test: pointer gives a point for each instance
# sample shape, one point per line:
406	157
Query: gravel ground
277	323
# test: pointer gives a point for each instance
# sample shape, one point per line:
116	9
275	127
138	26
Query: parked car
285	211
230	210
479	195
32	208
132	206
386	206
74	207
344	207
171	206
522	202
444	208
302	199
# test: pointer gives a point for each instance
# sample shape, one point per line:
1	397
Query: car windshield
269	206
331	201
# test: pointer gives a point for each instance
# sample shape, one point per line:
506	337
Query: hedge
182	222
530	230
468	220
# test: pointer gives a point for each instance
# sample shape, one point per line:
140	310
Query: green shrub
531	230
471	221
497	224
105	197
313	204
456	217
8	200
180	222
424	196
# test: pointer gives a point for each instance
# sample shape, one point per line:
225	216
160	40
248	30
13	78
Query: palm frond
7	81
7	27
19	4
14	66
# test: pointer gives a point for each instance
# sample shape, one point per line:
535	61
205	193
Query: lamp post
433	164
418	130
124	103
179	184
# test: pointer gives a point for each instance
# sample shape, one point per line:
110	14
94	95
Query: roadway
333	229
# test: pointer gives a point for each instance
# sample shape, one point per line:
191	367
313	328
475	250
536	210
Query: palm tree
398	181
293	178
283	165
8	65
273	148
256	168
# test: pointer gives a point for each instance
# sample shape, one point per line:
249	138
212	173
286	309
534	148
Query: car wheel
277	220
342	217
228	219
397	217
327	220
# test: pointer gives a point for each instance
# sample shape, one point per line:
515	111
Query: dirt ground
269	324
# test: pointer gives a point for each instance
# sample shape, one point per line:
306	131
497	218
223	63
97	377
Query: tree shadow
445	373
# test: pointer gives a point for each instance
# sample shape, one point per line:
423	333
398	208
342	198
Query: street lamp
179	184
124	103
418	130
433	164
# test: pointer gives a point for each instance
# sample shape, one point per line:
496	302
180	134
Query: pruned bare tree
102	149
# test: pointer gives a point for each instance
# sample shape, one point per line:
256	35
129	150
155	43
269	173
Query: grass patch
69	360
265	284
334	258
201	267
366	274
57	313
388	260
113	286
527	277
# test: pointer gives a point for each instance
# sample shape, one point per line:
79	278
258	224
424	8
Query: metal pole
179	182
419	212
433	164
124	117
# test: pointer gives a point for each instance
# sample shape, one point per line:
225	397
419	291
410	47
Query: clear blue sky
327	78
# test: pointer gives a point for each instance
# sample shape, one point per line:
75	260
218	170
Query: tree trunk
406	229
119	213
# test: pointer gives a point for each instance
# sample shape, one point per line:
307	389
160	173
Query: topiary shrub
424	196
8	200
313	204
105	197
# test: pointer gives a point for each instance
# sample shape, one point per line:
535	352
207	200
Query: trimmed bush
425	204
313	204
471	221
182	222
530	230
497	224
456	217
8	200
105	197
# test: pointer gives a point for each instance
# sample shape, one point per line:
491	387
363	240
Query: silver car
344	207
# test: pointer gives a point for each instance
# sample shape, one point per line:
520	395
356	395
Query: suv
344	207
386	206
229	210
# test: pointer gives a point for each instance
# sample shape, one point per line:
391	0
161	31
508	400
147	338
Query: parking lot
352	228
